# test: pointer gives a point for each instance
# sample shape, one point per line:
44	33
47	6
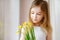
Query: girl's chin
35	22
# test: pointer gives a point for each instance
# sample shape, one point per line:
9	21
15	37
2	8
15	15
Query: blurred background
14	12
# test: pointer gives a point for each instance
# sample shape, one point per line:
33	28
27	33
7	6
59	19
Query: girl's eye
32	13
38	14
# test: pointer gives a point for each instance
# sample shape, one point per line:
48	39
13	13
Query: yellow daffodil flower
17	32
19	27
25	25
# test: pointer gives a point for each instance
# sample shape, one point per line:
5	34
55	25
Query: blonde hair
45	22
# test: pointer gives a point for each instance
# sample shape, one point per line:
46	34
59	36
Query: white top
39	33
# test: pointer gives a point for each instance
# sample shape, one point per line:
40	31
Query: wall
24	10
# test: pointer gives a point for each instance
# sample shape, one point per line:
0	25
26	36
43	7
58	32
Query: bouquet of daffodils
28	31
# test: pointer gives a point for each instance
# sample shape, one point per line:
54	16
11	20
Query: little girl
39	17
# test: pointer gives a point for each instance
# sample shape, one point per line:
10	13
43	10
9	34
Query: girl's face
36	14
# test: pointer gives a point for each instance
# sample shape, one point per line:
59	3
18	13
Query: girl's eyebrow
40	12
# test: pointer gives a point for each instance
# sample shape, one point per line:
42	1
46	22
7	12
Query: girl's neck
36	24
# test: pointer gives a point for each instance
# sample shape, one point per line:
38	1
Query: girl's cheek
32	15
41	17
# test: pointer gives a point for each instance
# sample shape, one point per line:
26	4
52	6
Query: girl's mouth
35	19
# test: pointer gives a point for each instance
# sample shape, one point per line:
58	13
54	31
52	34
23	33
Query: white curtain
9	16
